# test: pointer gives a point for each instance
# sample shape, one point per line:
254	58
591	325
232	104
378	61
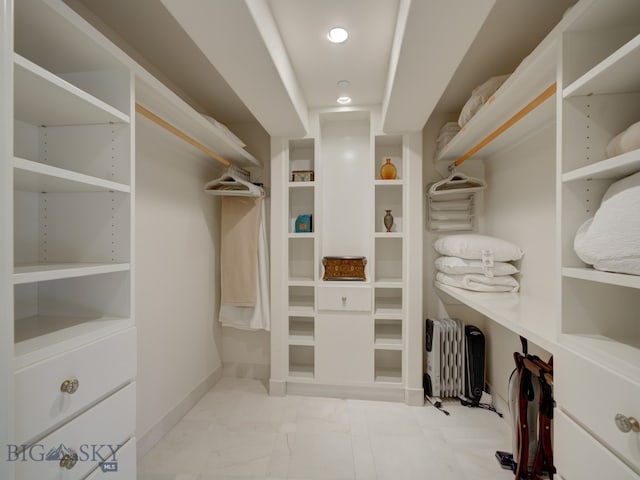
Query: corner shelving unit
301	261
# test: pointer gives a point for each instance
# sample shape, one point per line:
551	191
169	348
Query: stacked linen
477	262
446	134
479	96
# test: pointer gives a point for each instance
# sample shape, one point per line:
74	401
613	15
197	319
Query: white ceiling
363	59
269	60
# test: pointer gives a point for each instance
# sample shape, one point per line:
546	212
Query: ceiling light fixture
344	100
343	83
337	35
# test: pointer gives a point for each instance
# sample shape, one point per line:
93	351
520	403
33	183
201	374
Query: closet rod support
533	104
180	134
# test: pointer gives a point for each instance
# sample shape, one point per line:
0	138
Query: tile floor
237	431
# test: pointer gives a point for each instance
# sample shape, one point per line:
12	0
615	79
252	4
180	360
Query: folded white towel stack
477	262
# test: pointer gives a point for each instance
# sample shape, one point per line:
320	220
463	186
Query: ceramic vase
388	220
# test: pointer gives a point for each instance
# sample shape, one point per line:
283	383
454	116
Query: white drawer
344	298
124	461
594	395
100	367
109	424
579	456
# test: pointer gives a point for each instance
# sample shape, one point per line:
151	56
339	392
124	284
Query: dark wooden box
344	268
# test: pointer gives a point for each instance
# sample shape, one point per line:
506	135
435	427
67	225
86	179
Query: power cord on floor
436	402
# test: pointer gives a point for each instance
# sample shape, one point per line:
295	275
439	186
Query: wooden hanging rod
180	134
508	124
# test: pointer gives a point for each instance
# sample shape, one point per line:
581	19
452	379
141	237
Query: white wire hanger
456	182
233	183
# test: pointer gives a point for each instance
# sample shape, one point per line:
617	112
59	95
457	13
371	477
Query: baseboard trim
277	388
160	429
389	394
247	370
414	397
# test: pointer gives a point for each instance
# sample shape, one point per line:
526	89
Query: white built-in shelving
601	97
73	189
337	334
597	319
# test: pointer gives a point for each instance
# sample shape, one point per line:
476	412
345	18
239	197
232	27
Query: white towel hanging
233	183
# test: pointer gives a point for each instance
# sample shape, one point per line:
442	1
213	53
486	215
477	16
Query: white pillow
461	266
610	240
473	247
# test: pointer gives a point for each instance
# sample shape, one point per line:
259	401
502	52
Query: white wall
247	353
177	275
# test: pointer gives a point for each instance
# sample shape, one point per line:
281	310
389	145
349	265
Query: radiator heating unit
445	358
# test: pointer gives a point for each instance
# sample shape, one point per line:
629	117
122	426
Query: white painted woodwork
341	343
100	367
344	298
120	411
581	456
596	408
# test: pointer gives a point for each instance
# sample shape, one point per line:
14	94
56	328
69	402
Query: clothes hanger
233	183
456	182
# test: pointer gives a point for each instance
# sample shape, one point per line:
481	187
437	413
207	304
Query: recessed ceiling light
344	99
343	83
337	35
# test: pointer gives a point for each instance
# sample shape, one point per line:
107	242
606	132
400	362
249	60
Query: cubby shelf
588	273
42	98
33	176
610	168
55	271
618	73
40	337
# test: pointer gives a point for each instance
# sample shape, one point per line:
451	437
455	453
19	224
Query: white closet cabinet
354	338
74	349
598	373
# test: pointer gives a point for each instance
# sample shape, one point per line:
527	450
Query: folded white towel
461	266
624	142
610	240
479	283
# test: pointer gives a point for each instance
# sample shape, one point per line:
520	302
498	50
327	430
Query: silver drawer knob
69	460
627	424
70	386
344	300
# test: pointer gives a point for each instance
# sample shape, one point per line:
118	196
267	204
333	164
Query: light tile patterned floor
237	431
